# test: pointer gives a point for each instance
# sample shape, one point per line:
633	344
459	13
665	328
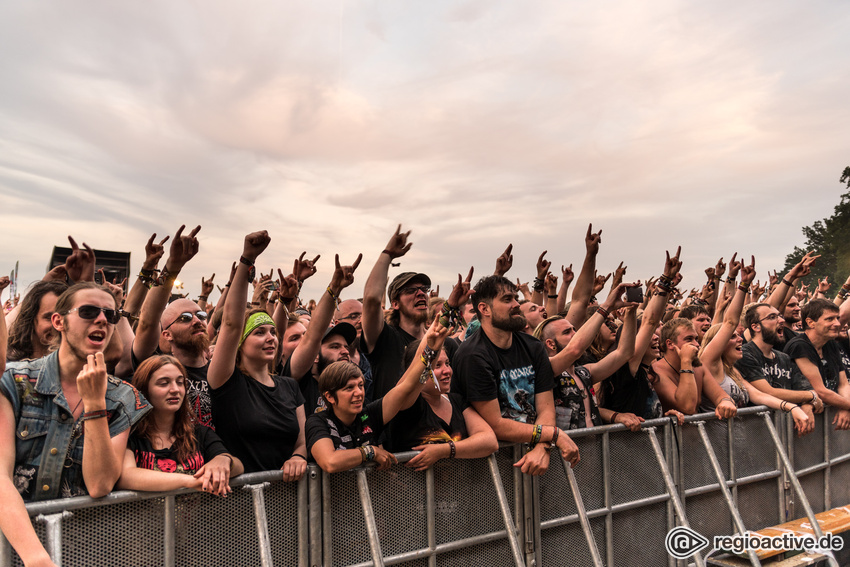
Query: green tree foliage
830	238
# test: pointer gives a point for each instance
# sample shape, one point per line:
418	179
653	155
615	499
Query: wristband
555	434
686	371
94	415
602	311
786	282
723	399
743	288
452	449
203	297
299	456
614	417
552	296
363	456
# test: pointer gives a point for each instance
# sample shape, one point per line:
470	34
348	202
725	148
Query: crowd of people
154	391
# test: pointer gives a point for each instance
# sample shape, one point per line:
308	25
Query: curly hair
22	330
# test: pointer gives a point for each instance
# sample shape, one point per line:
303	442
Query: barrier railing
614	509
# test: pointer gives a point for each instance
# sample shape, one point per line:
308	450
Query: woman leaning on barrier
436	416
259	416
346	434
167	441
721	349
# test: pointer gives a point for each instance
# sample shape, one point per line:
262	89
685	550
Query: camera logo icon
682	542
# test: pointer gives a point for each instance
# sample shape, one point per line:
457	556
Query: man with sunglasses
64	422
771	370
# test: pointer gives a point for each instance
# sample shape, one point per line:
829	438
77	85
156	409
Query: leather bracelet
604	312
614	417
94	414
452	449
786	282
555	434
299	456
687	372
743	288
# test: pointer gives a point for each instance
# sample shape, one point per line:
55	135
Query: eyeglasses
412	290
771	317
187	318
90	312
352	317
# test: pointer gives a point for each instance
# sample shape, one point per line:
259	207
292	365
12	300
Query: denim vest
48	440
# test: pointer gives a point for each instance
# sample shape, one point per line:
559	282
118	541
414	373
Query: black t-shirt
364	430
625	393
258	423
789	334
309	387
830	365
513	376
208	445
386	358
779	371
570	410
419	425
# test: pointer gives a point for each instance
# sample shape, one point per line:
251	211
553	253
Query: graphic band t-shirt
830	365
197	388
258	423
513	376
208	445
364	430
419	425
779	371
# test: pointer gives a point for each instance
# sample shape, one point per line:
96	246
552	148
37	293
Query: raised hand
343	276
599	283
720	268
398	244
254	245
567	274
207	286
80	264
619	273
804	267
183	248
543	266
153	252
734	266
748	273
462	291
550	284
303	269
505	261
592	240
672	265
91	383
288	286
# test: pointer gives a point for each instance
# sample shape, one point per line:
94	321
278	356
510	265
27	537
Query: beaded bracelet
536	434
452	449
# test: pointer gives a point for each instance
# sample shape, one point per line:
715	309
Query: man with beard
771	370
31	334
575	406
783	297
817	355
181	327
329	345
681	378
507	377
792	318
351	311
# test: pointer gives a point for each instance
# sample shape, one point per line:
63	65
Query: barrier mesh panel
231	519
839	484
839	442
709	515
813	487
639	537
494	554
467	508
556	499
808	450
566	546
758	504
39	531
635	472
348	529
697	469
752	448
282	514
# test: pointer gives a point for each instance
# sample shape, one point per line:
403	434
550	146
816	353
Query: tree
830	238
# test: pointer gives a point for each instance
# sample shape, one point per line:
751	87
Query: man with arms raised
63	408
507	377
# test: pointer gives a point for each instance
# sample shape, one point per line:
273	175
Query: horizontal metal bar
442	548
601	512
697	490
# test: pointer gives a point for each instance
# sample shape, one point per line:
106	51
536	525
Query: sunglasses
188	316
92	311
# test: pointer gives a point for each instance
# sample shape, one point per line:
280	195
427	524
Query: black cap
402	280
345	330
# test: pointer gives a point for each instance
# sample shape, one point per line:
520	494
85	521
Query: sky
718	126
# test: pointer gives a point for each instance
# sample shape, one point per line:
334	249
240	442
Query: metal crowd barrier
614	509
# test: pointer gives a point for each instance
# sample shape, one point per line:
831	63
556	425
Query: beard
772	338
194	345
513	323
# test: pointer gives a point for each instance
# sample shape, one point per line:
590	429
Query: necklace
669	363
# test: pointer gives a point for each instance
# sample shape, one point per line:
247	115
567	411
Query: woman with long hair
167	440
721	349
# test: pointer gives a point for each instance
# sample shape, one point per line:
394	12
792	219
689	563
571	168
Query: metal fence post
582	515
315	514
303	521
506	510
53	532
261	521
369	517
431	515
168	526
718	472
5	552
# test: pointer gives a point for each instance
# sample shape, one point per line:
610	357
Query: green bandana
254	321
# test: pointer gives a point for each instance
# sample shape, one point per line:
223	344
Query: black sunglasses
92	311
187	317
